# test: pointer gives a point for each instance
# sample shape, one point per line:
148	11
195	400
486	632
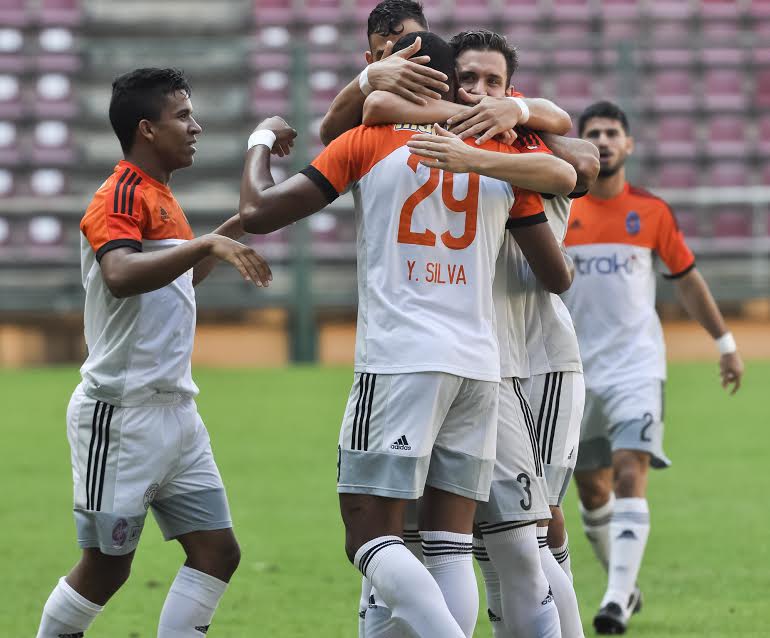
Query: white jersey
427	244
613	243
142	345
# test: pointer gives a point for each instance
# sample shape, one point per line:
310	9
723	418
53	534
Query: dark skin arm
128	272
583	155
544	256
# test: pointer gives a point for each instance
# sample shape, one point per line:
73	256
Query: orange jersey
614	243
138	346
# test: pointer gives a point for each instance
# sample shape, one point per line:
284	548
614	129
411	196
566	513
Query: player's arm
539	172
490	116
694	293
400	74
264	206
581	154
545	256
128	272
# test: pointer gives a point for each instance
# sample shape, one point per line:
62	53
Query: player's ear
509	91
146	130
369	57
629	144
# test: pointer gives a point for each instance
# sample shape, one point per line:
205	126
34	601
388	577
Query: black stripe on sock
117	189
104	458
90	455
370	553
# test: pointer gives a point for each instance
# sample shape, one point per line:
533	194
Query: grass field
707	570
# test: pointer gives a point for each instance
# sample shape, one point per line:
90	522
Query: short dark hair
386	18
441	55
607	109
139	95
486	40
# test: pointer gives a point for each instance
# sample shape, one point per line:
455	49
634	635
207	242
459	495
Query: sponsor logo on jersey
633	223
417	128
609	265
401	444
119	532
164	215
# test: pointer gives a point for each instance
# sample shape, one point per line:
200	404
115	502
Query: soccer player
614	235
549	366
136	438
422	410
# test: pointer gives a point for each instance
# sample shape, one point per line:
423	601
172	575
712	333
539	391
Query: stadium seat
759	8
671	174
13	13
617	31
673	90
723	31
623	9
668	58
671	32
527	83
57	51
723	89
522	34
270	92
324	12
676	136
526	10
52	144
7	183
573	91
45	231
722	9
467	12
762	81
726	173
272	37
665	10
10	153
262	61
722	56
47	182
10	96
12	58
273	12
324	86
573	58
573	10
59	12
763	139
726	136
687	220
735	222
54	97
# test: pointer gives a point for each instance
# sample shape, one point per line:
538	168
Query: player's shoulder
122	192
647	198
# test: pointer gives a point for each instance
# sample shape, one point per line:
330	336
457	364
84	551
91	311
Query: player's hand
731	371
442	150
284	134
251	266
490	116
407	76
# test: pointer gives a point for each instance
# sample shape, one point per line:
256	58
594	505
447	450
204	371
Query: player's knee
630	473
593	490
230	557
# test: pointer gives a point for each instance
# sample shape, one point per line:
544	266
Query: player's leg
385	448
516	502
460	474
191	507
635	413
109	471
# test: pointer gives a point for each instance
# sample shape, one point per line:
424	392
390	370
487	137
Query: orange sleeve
527	209
106	227
671	246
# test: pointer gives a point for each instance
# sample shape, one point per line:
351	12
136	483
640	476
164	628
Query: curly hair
387	17
485	40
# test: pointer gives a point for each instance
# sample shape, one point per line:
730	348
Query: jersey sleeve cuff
578	194
319	179
118	243
530	220
681	273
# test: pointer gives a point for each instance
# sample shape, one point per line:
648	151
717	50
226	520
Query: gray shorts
519	489
401	432
627	417
128	460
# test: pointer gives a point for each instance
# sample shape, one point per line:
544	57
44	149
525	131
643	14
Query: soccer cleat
635	601
610	620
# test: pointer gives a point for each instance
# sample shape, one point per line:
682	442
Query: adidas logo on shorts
401	444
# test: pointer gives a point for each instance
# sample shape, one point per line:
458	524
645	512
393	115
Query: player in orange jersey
137	441
614	235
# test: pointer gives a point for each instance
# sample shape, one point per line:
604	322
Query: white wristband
524	109
363	82
265	137
726	343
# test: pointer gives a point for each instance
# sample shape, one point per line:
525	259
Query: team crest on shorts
149	495
120	532
633	223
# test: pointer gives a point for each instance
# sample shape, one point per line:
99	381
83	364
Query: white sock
407	588
363	605
527	601
561	586
492	587
561	554
66	613
449	559
596	524
629	530
190	604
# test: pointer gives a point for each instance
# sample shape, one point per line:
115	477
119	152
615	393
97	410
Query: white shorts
126	460
557	400
401	432
622	417
518	492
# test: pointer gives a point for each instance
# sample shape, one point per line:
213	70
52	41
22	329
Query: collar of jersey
122	164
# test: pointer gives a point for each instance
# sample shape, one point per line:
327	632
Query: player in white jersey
422	411
614	234
137	441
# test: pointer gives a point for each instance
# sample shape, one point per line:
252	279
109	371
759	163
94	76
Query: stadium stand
694	75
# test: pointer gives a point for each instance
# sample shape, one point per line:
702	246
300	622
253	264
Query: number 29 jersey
427	242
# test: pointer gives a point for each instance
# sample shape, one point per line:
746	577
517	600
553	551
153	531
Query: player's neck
150	165
610	186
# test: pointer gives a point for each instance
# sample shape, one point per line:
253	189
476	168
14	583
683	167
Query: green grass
706	572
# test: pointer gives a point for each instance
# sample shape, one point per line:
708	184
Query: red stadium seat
10	97
673	90
727	173
10	153
273	37
727	136
273	12
671	32
687	220
13	13
570	34
324	11
467	12
325	84
54	96
763	89
735	222
613	9
763	140
620	31
676	136
527	83
675	175
7	183
529	10
723	9
12	57
668	58
521	33
667	10
573	91
52	144
759	8
270	93
61	12
723	89
575	58
722	56
47	182
572	10
725	31
57	51
270	61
